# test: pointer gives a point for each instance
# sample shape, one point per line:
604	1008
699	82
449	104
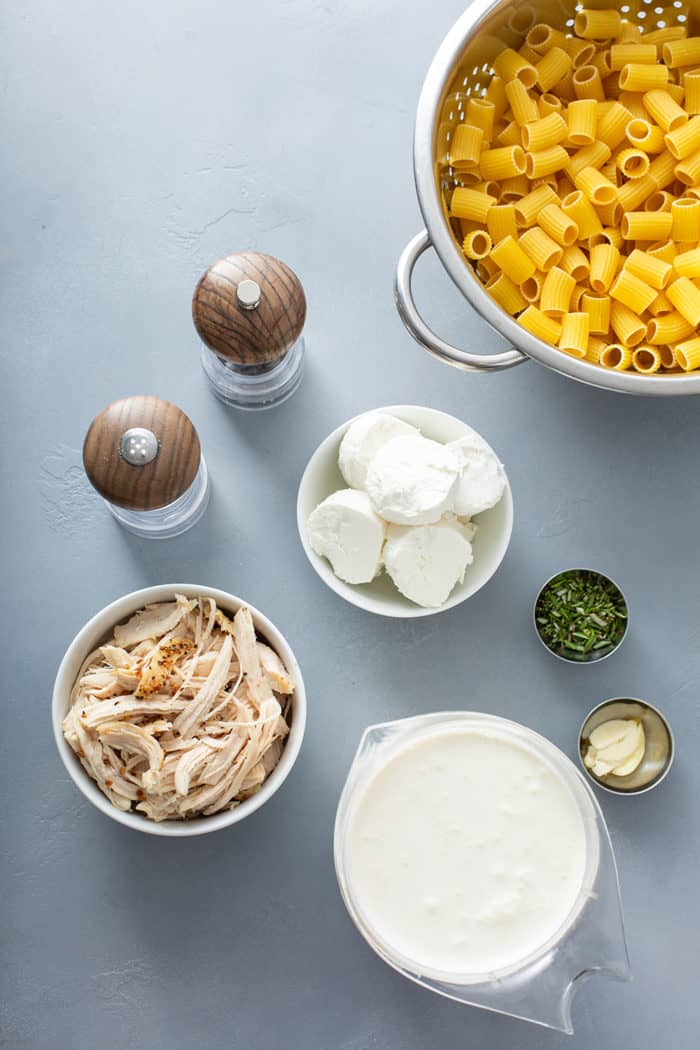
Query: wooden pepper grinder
142	454
249	310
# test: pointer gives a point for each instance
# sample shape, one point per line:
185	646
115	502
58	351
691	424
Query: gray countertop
141	142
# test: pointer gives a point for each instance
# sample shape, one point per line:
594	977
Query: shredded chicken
183	712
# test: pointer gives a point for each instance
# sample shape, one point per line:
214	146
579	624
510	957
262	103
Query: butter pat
427	561
412	480
346	530
616	747
362	441
482	477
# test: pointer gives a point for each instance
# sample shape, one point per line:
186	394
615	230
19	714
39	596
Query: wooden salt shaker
249	310
142	454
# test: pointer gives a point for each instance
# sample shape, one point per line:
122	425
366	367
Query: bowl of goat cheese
405	511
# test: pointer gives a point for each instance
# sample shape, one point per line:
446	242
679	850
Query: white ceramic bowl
96	631
322	477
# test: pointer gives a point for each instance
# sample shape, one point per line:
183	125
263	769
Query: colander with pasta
462	69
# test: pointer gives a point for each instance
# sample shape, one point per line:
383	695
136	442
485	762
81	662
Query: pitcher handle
408	312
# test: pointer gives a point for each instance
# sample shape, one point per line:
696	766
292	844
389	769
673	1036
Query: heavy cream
466	852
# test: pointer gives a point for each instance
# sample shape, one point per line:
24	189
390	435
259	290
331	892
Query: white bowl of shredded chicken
179	710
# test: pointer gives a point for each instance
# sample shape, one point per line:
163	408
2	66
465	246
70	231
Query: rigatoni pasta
573	186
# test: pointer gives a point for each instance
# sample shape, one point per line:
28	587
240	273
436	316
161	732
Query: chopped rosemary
581	615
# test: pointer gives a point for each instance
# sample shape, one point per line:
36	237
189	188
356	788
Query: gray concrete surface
140	142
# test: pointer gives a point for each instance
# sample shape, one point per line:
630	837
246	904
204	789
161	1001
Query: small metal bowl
659	748
587	658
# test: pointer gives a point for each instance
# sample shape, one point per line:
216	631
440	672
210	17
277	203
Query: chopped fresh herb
581	615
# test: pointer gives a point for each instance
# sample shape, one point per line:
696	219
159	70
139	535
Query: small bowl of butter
626	746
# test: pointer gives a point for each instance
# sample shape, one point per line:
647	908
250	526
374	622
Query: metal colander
461	69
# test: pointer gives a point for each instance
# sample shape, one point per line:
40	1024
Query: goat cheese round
363	439
426	561
482	479
345	529
412	480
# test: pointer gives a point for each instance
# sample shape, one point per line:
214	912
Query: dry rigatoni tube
582	212
641	54
477	244
685	296
691	83
515	188
660	36
684	139
632	292
523	106
605	260
552	67
581	119
528	208
646	359
639	78
633	163
635	192
663	169
531	289
687	264
646	225
645	136
626	325
465	147
500	222
548	103
595	186
506	294
555	297
575	329
481	113
545	162
511	66
612	125
597	25
541	37
588	84
661	305
677	53
593	156
664	110
581	51
616	356
653	271
502	163
468	203
685	216
598	309
662	200
688	354
496	94
688	170
544	252
510	135
511	258
538	324
545	132
668	359
668	328
560	227
575	262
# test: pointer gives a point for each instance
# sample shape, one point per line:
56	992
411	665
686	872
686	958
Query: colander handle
408	312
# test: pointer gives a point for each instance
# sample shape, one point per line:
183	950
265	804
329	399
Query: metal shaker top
141	453
249	308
